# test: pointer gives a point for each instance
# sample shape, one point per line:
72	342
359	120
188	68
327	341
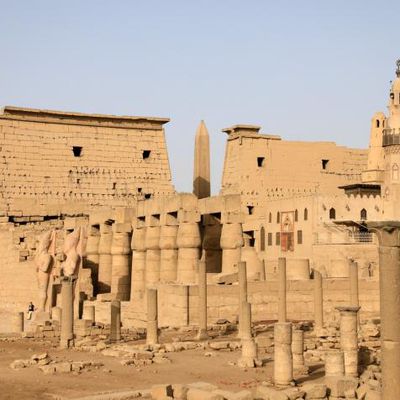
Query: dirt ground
186	367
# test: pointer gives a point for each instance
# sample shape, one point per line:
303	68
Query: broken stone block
315	391
161	392
200	394
63	367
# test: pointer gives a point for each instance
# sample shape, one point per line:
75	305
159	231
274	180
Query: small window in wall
146	154
278	238
147	196
278	217
296	215
260	161
332	213
270	217
114	186
262	239
325	164
299	237
250	210
269	239
377	123
363	214
139	190
305	214
77	151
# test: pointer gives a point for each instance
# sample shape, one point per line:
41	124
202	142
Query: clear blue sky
306	70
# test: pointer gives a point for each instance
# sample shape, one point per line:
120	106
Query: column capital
388	232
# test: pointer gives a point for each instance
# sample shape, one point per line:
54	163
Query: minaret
391	145
201	173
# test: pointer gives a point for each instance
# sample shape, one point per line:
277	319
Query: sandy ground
186	367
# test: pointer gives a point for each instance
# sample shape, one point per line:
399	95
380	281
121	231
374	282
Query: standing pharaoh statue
70	250
43	261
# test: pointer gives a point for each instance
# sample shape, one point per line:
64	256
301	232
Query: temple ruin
295	262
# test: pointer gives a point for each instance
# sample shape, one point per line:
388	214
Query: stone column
349	339
138	278
231	245
152	244
283	363
202	288
353	276
389	283
105	259
67	314
152	317
115	327
189	242
92	257
89	313
298	349
318	303
120	251
17	322
169	253
282	289
242	279
249	347
334	363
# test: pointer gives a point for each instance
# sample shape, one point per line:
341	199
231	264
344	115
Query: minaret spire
201	173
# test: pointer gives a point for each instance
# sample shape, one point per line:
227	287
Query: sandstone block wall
57	162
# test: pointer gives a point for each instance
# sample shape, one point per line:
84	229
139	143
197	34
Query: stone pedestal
152	317
282	289
189	242
334	363
105	259
115	327
120	251
56	314
298	349
168	253
17	322
231	244
318	303
138	278
242	280
89	313
202	287
67	314
283	362
349	339
152	271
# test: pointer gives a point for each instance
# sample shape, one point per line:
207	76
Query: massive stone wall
56	162
263	167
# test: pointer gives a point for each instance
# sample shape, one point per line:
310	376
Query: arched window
332	213
262	239
305	214
278	217
363	214
296	215
377	123
270	218
395	172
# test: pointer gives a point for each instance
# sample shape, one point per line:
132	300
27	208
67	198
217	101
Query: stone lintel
353	309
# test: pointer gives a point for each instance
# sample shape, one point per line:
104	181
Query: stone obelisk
201	173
